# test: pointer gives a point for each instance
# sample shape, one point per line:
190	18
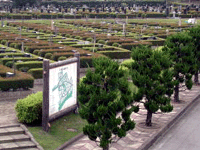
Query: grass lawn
60	131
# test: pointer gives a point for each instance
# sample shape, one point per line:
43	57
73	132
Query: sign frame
46	118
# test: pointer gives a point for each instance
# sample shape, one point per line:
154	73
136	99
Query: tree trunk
149	116
176	93
196	77
106	148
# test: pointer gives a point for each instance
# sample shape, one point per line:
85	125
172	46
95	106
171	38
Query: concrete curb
31	136
163	130
74	139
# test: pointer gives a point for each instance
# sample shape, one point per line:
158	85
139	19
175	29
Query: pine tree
195	34
180	49
102	94
152	75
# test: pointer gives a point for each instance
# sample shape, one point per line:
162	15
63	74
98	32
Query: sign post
59	89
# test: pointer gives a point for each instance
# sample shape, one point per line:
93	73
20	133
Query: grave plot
75	42
35	47
11	79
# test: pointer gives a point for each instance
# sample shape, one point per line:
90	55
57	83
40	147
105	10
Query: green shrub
116	54
67	35
29	64
89	39
36	52
29	109
127	63
78	37
37	73
101	42
9	64
23	69
3	42
62	58
18	46
48	55
115	44
12	45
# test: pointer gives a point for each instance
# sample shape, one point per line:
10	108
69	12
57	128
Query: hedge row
29	109
129	46
20	80
5	60
2	55
37	73
29	64
116	54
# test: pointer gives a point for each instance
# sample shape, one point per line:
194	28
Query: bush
29	109
29	64
23	69
101	42
48	55
89	39
116	54
37	73
9	64
115	44
3	42
36	52
62	58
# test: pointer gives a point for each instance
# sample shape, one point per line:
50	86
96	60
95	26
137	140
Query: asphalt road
185	134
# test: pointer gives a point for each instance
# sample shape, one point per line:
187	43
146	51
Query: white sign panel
62	87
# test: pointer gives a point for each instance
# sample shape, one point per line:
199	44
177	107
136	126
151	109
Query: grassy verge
61	131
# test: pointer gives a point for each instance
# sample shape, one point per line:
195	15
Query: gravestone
185	11
174	14
167	11
22	48
83	9
124	11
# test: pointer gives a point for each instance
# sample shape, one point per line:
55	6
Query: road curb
71	141
163	130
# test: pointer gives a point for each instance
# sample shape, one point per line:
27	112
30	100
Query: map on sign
62	88
65	88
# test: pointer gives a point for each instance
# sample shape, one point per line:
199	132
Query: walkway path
185	133
142	137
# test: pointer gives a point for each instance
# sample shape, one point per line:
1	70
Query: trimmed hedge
37	73
129	46
11	55
116	54
20	80
29	109
29	64
86	62
5	60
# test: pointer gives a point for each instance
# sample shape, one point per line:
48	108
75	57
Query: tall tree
21	3
180	49
195	34
102	94
152	75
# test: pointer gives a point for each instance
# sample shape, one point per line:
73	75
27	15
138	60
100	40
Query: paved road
185	134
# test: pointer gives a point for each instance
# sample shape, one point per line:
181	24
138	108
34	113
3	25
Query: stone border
163	130
153	139
31	137
71	141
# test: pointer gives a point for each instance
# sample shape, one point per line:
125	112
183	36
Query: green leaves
102	94
152	74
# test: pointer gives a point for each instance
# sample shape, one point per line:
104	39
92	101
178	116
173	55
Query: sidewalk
142	137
